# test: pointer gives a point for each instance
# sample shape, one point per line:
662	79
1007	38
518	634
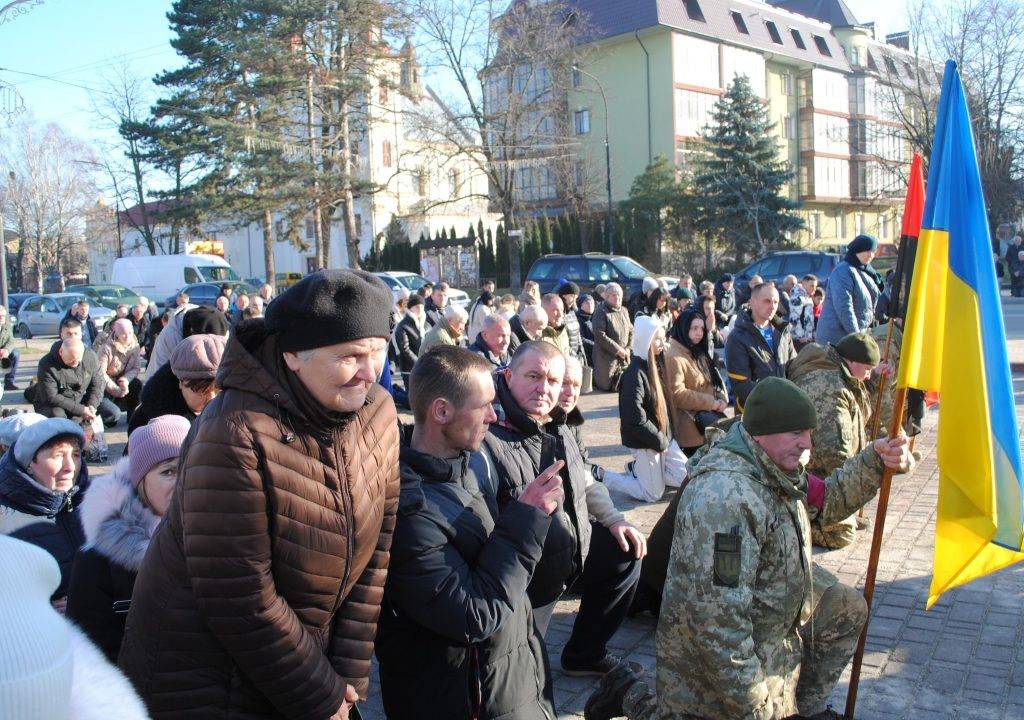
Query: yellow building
663	65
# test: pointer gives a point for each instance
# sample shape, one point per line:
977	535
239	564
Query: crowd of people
274	523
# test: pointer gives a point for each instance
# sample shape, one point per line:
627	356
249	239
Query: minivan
592	269
157	276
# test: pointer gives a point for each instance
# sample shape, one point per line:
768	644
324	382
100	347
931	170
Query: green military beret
859	347
776	405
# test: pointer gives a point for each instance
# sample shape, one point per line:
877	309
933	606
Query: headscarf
702	351
863	243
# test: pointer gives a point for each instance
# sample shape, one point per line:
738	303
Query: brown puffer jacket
259	595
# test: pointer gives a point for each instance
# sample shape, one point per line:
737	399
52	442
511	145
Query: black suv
589	270
777	265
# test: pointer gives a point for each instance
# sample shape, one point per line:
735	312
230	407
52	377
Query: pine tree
742	179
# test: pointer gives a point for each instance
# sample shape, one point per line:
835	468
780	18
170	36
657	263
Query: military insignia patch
727	559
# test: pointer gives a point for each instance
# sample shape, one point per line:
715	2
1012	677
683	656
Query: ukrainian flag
954	344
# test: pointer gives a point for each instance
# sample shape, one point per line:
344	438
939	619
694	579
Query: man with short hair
9	355
556	331
458	636
834	377
785	298
492	342
756	349
528	435
266	292
436	303
487	286
71	384
448	330
407	338
182	299
684	292
528	325
240	304
726	301
750	627
801	312
260	592
80	311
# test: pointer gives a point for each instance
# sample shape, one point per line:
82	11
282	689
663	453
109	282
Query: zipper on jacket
346	501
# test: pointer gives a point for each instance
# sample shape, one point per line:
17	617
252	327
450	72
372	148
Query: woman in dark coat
584	315
42	478
119	516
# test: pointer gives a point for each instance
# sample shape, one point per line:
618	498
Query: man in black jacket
80	312
71	385
725	299
529	435
457	638
756	348
436	303
408	335
492	341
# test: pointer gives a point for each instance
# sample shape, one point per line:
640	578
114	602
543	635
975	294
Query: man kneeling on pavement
750	627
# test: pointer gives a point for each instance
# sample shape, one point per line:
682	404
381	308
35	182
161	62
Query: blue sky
80	41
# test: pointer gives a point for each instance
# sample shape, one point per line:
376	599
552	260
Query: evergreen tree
480	228
452	235
502	257
544	236
471	234
741	178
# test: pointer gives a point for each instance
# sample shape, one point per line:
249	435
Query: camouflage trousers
835	536
829	641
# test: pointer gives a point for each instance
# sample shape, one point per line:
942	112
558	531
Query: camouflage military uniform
737	636
843	408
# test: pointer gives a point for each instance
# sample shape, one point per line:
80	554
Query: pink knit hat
151	444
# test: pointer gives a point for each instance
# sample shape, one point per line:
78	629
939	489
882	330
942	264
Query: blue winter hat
35	436
862	243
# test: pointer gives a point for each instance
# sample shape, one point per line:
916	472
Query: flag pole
876	549
897	310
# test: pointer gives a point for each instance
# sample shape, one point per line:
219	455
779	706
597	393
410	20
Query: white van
157	276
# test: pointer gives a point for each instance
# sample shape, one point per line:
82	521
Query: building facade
830	88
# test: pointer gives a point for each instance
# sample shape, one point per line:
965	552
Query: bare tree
508	112
49	191
986	39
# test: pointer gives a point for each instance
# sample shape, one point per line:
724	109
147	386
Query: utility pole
607	159
3	244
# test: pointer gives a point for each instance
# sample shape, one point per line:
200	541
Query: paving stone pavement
963	659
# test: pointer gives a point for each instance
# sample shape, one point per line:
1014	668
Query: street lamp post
607	157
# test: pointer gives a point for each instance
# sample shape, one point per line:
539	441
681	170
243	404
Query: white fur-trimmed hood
117	525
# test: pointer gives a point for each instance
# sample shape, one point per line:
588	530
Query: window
310	229
693	10
630	268
577	173
822	46
279	230
855	56
581	122
544	269
577	77
789	127
574	269
800	265
32	305
453	181
359	225
771	267
798	38
890	66
773	32
599	271
421	182
787	83
383	94
883	223
191	276
814	225
841	225
858	224
386	152
871	62
741	24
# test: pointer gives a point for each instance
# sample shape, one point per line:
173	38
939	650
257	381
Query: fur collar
117	525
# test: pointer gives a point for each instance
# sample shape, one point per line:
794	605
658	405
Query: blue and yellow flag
954	343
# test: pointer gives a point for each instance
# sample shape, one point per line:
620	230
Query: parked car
777	265
413	282
14	301
207	293
109	296
157	276
590	270
41	314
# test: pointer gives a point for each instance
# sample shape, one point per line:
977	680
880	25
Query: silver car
40	315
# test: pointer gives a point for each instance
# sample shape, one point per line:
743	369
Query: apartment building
827	81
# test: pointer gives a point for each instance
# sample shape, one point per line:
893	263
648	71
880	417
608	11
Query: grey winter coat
849	304
613	334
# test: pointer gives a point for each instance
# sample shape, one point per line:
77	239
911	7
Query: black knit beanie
330	307
859	347
776	405
204	321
